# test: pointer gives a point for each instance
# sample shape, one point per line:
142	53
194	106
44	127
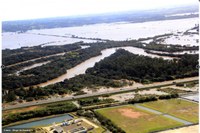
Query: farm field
176	107
134	120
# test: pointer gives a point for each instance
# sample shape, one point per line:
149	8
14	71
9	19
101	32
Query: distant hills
130	16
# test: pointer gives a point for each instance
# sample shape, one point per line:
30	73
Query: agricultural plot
176	107
134	120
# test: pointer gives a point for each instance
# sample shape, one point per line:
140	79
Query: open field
30	108
176	107
20	110
134	120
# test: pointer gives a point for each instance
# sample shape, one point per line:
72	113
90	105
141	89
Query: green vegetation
23	54
167	48
179	108
91	81
139	68
49	71
52	109
165	54
150	97
88	113
108	123
5	113
100	129
144	69
72	85
13	69
94	101
55	68
133	120
172	91
143	98
190	85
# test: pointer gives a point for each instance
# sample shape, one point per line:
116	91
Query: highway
153	85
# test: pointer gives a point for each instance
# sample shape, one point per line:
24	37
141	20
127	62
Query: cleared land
20	110
176	107
134	120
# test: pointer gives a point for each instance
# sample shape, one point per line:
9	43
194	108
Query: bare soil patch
130	113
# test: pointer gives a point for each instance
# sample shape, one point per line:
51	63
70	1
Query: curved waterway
31	67
82	67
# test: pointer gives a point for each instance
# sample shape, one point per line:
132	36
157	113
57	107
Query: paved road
165	115
100	93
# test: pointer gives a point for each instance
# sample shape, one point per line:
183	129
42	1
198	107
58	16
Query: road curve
153	85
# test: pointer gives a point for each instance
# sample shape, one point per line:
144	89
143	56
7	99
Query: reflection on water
82	67
43	121
194	97
84	46
32	66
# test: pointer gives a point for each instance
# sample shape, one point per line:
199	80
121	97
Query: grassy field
133	120
97	130
29	108
20	110
180	108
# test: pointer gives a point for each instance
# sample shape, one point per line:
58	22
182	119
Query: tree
11	96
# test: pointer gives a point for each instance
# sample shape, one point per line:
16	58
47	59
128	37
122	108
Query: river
32	66
82	67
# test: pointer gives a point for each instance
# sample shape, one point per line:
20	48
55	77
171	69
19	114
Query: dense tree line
172	90
125	65
15	68
85	113
139	68
94	101
55	68
53	109
91	81
72	85
149	98
165	54
166	48
23	54
49	71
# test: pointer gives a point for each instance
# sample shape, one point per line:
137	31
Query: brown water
32	66
82	67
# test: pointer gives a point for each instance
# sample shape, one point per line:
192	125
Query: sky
30	9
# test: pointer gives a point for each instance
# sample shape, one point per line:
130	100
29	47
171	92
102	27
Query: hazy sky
28	9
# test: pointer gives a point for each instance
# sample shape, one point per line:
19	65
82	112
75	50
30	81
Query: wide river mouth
82	67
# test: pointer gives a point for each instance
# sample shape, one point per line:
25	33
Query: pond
46	121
